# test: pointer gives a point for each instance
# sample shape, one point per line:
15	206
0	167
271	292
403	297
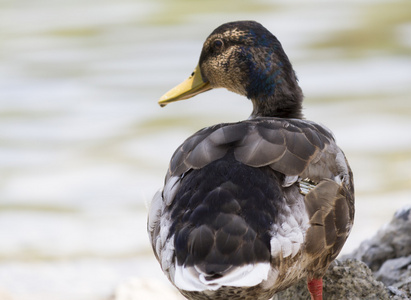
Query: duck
251	207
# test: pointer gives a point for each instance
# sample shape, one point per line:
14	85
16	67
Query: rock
349	279
388	254
396	293
396	273
391	241
393	270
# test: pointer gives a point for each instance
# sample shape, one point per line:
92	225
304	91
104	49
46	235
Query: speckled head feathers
244	57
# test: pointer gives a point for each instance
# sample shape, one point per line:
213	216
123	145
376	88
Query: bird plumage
249	208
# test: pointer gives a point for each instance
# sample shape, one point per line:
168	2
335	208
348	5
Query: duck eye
218	44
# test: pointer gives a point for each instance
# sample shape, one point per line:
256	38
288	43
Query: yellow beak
189	88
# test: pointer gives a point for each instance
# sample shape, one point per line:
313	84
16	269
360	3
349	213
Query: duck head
245	58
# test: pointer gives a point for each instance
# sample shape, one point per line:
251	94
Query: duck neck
274	90
286	104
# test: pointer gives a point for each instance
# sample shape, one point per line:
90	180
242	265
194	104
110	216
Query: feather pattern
312	216
296	147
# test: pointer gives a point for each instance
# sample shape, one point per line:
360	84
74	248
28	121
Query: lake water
84	145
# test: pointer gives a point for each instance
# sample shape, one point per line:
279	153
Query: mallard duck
249	208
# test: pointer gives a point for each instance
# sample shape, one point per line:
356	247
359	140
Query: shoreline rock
388	254
348	279
392	241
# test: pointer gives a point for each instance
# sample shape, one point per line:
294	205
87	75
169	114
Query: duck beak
192	86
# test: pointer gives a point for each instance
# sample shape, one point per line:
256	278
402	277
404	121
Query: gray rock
349	279
388	254
391	241
396	293
394	270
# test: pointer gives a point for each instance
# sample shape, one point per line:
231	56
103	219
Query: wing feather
292	147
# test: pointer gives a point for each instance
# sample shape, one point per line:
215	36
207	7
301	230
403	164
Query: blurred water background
84	145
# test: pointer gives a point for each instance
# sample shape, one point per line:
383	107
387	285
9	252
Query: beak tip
163	101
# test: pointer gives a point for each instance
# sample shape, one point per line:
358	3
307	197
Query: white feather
295	247
191	279
275	247
287	239
271	279
286	247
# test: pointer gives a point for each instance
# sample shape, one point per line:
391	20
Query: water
84	146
